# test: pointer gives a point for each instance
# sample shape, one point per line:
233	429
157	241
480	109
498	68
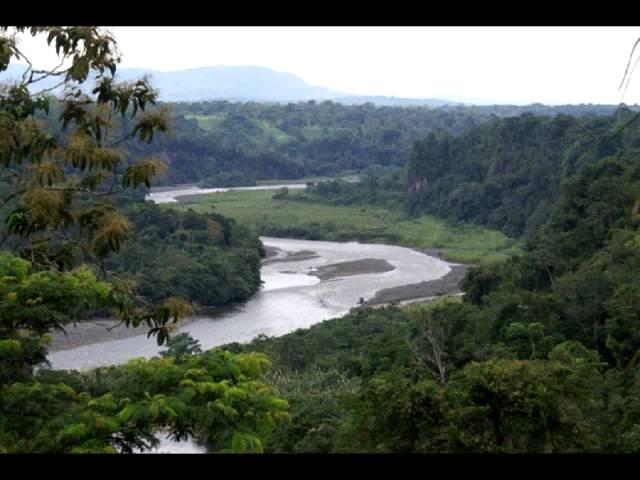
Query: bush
281	193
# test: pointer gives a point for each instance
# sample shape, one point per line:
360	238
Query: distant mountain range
241	84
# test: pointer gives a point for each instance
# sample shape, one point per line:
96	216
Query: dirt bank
275	255
105	330
447	285
356	267
92	331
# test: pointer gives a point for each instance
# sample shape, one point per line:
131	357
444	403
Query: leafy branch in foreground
61	178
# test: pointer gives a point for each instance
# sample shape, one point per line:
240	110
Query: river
291	297
170	194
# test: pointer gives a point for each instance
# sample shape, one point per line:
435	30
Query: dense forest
223	143
507	173
540	356
206	259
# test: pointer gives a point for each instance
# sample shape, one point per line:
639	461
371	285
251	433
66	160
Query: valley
231	259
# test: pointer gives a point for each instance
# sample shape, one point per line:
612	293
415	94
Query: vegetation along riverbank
286	217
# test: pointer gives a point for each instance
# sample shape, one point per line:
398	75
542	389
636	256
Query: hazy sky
551	65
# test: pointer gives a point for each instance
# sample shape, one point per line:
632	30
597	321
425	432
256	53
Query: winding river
170	194
293	296
290	298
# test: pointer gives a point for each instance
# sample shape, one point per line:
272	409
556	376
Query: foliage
216	396
64	182
205	259
61	176
299	217
219	141
507	173
541	356
181	345
367	391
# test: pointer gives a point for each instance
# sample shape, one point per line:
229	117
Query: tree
623	325
507	406
182	345
58	191
217	396
281	193
58	197
31	304
527	340
428	343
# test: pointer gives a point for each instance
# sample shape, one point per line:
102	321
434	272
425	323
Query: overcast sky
553	65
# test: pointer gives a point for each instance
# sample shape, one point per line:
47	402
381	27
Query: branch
20	55
126	137
106	273
109	329
16	193
48	73
30	71
53	72
49	89
626	70
434	359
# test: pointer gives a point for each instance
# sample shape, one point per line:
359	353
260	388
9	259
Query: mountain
230	83
239	84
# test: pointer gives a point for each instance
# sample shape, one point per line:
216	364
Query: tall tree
58	198
59	182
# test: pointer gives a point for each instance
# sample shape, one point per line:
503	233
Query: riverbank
275	255
106	330
348	269
441	287
305	220
92	331
446	285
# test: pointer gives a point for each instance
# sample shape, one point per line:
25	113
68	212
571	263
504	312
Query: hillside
507	173
239	84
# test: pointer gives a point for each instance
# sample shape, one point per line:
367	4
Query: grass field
289	218
207	122
268	132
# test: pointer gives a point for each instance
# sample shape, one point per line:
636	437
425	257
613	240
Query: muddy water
290	299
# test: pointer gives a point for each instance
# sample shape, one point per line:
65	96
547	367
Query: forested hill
540	356
507	173
216	141
268	141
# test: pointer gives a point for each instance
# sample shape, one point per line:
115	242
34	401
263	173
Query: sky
516	65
